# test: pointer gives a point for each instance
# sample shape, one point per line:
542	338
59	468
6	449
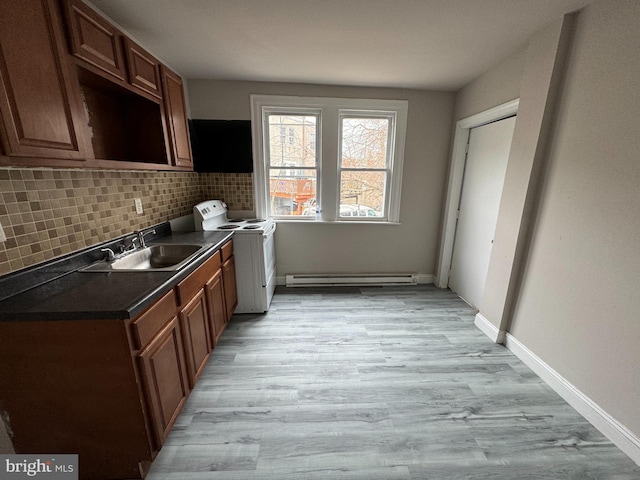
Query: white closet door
484	173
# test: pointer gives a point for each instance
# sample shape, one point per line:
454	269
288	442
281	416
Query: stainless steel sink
161	257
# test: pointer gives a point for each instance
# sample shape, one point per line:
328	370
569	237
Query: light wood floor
390	383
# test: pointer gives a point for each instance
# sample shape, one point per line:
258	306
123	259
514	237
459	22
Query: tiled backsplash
46	213
236	189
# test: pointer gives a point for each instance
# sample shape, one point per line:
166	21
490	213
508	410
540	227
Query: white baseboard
489	329
620	435
423	279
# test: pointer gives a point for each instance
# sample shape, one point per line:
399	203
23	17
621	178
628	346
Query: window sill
337	222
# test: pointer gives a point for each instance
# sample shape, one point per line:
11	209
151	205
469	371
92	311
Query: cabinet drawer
149	323
187	288
227	250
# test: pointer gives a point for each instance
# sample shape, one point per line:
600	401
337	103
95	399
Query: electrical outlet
138	204
3	237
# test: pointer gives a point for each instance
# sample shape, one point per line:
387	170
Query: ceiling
424	44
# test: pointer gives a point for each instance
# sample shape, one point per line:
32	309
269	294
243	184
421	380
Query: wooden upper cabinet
41	109
144	69
95	40
82	91
99	43
176	118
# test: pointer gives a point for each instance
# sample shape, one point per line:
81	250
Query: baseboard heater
361	279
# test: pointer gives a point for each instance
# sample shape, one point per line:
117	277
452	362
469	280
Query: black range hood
222	146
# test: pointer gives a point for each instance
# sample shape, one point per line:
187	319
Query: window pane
292	191
364	142
290	140
362	194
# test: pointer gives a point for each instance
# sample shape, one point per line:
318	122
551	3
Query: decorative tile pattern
376	383
236	189
46	213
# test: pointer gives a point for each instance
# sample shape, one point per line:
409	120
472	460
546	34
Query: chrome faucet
140	237
111	256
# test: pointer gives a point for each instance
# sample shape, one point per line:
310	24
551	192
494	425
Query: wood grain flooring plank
376	383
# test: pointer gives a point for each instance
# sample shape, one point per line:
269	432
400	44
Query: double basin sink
159	257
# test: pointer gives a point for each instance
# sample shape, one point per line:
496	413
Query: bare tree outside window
364	165
324	160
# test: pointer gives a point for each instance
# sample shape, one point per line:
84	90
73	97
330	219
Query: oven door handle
269	232
267	265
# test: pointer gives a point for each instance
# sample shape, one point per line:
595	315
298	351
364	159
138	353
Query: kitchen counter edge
106	296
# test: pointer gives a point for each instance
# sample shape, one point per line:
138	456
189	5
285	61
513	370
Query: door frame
456	175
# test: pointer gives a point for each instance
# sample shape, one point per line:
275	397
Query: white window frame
389	156
328	151
265	113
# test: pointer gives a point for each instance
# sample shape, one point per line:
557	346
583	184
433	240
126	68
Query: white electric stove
254	251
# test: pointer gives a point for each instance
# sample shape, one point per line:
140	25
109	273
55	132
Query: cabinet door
217	309
94	40
41	110
176	118
229	282
164	374
144	69
194	320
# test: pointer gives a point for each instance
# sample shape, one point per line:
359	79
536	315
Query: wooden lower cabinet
158	336
194	320
217	276
74	386
217	308
229	279
164	375
110	390
230	289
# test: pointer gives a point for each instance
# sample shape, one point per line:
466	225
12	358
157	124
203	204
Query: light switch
138	203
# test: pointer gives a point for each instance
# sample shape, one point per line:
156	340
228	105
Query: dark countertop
73	295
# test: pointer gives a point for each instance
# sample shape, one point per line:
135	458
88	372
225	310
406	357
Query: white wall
495	87
539	85
324	248
576	301
579	304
